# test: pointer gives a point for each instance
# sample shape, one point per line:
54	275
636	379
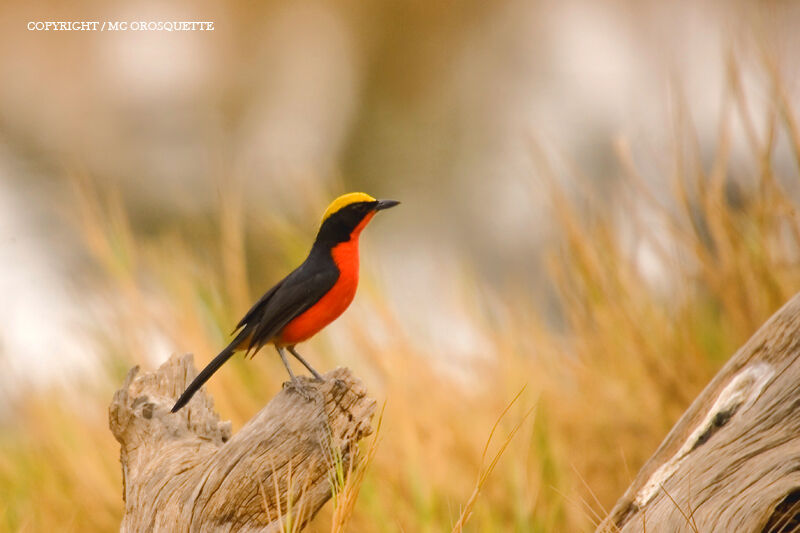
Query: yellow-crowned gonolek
309	298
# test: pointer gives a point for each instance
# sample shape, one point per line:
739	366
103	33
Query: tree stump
186	472
732	462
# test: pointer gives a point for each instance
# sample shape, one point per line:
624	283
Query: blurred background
599	205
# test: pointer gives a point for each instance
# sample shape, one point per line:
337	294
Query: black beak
385	204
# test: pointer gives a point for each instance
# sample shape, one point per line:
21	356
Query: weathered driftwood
186	472
732	462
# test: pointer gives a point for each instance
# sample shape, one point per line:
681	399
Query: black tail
206	373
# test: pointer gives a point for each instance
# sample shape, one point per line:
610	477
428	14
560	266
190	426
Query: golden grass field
599	385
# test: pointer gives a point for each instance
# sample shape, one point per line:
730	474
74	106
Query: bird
312	296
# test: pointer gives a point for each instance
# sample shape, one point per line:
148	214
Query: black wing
298	291
289	298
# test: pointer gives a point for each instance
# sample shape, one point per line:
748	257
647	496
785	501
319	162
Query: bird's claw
303	389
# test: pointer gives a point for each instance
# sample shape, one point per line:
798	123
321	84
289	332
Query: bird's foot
306	390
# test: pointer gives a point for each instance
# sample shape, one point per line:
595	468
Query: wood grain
187	472
732	462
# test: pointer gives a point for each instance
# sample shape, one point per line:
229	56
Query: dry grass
612	364
347	481
486	471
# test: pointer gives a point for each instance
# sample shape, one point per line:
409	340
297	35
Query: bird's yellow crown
345	200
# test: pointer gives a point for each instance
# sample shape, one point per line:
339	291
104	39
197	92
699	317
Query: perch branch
187	472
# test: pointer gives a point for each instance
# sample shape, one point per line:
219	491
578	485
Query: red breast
336	300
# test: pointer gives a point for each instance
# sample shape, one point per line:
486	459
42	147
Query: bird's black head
348	215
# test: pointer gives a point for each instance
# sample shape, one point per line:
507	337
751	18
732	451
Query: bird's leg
295	384
317	376
286	364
